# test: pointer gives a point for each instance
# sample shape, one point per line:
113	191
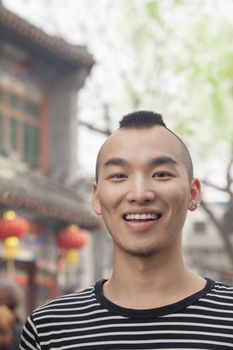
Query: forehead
136	145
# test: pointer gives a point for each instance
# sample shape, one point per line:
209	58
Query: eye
162	174
118	176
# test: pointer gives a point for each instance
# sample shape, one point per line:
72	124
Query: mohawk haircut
141	119
148	119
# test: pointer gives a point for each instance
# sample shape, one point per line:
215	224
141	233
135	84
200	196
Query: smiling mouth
142	217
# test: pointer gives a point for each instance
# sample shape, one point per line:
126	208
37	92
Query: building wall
204	248
63	124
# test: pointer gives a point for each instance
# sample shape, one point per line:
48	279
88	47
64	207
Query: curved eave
44	197
41	44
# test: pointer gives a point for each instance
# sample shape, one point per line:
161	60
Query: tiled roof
41	195
18	30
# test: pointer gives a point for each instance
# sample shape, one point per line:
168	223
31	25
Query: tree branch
228	175
212	216
216	187
106	132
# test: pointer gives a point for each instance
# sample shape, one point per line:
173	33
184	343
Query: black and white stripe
88	321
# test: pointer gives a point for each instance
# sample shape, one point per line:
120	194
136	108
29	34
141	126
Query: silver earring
194	205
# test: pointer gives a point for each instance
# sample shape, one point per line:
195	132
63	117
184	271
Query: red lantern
72	238
13	226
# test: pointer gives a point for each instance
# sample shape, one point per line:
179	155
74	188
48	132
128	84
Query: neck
150	282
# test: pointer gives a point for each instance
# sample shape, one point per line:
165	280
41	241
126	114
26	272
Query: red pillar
44	134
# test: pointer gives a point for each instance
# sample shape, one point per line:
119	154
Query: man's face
144	192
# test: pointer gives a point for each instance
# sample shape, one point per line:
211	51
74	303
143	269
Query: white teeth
143	216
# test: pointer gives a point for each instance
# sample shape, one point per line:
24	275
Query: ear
195	194
95	200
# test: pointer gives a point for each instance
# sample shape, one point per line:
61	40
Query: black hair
148	119
141	119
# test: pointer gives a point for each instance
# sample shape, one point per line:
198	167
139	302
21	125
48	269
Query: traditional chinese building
40	76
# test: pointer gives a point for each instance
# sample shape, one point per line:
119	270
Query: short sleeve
29	337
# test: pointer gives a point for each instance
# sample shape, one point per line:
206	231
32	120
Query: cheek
178	196
110	196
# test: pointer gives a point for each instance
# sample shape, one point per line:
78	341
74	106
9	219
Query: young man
144	188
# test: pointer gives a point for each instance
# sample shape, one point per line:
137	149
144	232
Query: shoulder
57	313
220	288
221	295
66	301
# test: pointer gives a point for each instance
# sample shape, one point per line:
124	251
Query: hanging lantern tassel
10	247
72	257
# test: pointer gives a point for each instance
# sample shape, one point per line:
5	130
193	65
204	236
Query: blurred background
69	70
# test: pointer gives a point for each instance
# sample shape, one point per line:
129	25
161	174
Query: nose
140	191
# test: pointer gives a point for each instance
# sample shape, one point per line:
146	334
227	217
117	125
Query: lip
140	226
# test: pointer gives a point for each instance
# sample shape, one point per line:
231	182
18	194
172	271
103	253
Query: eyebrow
163	160
116	162
154	161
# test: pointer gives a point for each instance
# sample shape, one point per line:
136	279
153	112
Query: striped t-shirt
88	321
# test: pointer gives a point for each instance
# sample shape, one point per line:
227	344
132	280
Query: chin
141	253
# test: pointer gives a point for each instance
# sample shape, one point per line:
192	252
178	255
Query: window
19	126
13	134
32	109
2	96
1	134
14	100
31	145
